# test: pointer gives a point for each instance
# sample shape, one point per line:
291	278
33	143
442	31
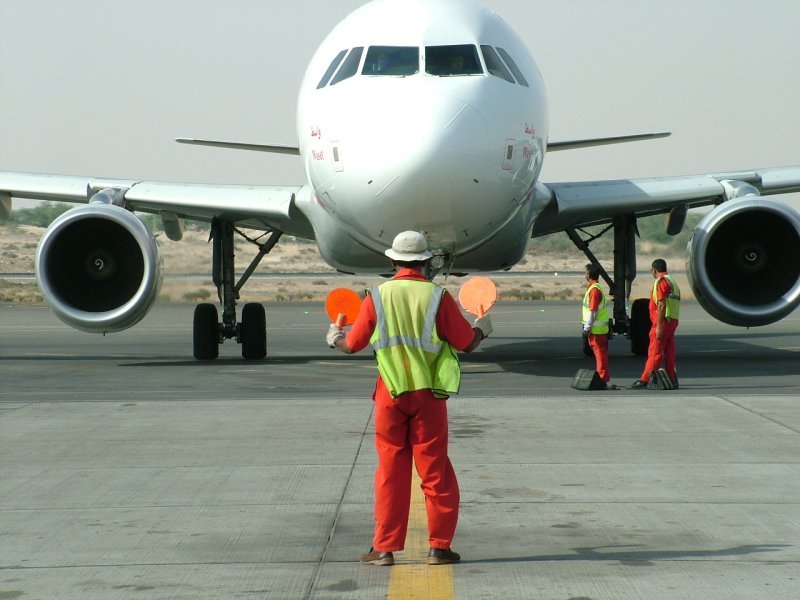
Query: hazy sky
101	87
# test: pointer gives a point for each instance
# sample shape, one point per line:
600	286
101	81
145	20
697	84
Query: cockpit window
494	65
446	61
513	66
331	69
350	65
391	60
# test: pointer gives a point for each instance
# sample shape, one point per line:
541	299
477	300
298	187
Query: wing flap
53	188
591	202
576	204
608	195
260	207
777	180
780	180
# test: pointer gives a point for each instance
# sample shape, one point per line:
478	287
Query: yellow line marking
411	576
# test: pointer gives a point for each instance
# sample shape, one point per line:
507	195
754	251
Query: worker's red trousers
412	426
599	345
662	350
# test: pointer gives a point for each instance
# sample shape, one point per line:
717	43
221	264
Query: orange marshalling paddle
478	295
342	306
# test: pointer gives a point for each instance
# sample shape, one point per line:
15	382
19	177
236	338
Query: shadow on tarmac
636	558
712	356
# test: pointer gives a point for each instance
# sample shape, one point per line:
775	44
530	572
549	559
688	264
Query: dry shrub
20	292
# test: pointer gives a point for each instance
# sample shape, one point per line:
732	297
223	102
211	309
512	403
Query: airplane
428	115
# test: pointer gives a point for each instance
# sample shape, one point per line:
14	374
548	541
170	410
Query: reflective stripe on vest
381	338
673	300
600	325
410	354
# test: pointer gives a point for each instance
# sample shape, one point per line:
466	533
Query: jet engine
743	261
99	268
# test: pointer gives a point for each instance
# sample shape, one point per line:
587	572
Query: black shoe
440	556
638	385
675	384
378	558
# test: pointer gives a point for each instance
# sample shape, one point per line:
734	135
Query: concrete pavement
128	470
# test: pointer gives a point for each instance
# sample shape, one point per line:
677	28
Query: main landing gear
251	332
637	326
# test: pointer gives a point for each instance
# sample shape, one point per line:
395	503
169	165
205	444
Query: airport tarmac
130	470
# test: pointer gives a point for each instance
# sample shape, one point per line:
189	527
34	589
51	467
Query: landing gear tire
640	326
254	332
206	332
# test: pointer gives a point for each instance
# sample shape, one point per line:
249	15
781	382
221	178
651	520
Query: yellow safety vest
411	356
673	301
600	325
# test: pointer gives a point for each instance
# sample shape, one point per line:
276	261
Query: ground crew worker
665	303
415	326
595	322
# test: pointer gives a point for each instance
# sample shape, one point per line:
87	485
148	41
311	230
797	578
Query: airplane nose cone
418	162
402	138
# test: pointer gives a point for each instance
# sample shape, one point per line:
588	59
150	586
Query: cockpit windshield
447	61
495	65
350	66
513	66
391	60
331	69
440	61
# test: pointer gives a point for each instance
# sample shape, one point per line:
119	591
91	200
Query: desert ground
192	256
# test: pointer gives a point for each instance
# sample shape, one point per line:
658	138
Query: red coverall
413	425
664	348
598	343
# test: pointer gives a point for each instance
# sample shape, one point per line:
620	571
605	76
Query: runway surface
130	470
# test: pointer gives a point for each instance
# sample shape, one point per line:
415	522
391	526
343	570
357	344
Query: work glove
334	333
483	323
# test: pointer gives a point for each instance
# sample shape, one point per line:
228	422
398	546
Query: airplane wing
100	269
575	204
552	145
258	207
740	258
274	148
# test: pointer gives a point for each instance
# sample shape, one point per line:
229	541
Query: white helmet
409	246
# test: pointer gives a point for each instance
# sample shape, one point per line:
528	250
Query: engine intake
99	268
742	262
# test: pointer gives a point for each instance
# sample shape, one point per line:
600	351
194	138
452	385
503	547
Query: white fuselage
428	144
